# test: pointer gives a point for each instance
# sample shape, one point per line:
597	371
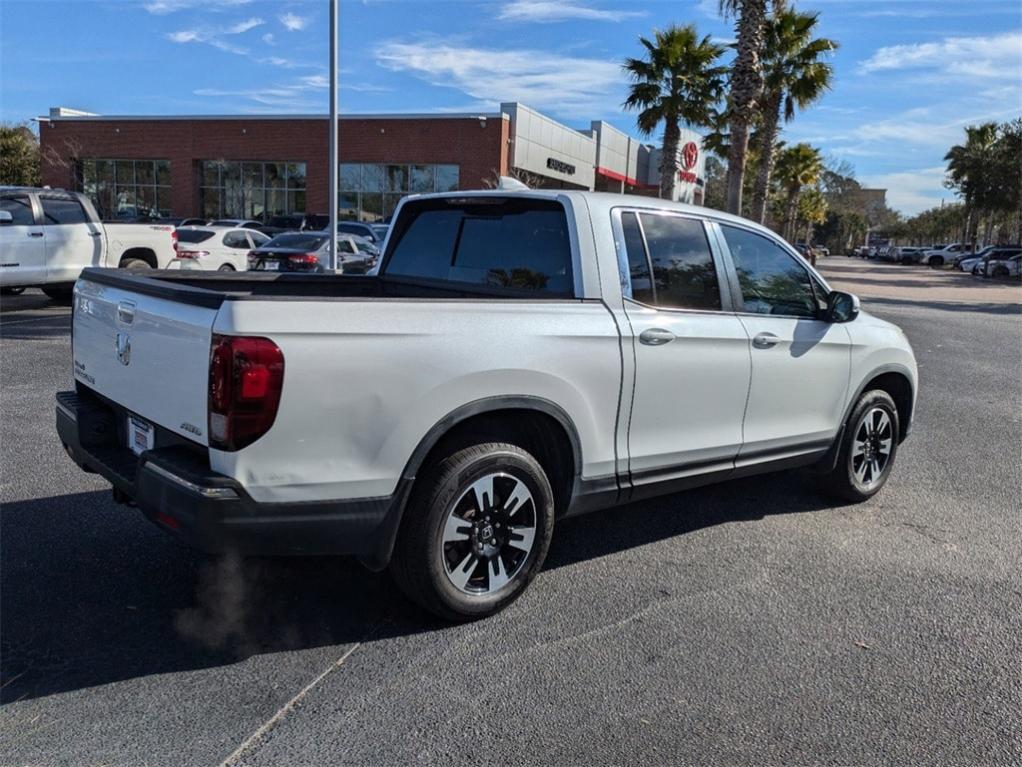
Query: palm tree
678	81
968	171
746	88
797	166
793	76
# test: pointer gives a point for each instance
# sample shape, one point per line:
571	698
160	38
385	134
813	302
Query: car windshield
193	235
285	222
380	230
225	222
364	246
297	241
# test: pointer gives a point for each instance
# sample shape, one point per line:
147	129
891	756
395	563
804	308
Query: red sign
689	155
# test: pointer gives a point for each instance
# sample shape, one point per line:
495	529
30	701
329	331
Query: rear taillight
246	376
304	258
173	239
192	253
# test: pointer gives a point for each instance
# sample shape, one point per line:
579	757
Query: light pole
332	175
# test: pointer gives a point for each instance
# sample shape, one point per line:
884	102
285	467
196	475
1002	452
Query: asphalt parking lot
749	623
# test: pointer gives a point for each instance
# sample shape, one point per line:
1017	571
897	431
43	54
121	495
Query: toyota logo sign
689	155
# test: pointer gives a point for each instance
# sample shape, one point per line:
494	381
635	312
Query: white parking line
272	722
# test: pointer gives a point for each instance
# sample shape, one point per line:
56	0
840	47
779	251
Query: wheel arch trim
491	405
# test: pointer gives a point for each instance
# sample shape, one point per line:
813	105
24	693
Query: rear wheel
135	264
869	445
225	268
59	295
12	291
476	531
1001	271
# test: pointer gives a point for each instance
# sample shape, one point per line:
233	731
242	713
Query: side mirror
841	307
6	217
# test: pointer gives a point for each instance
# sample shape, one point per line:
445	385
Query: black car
289	252
295	222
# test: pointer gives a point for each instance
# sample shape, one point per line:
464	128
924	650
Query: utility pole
332	174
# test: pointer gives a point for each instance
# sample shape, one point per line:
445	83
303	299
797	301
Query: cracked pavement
752	622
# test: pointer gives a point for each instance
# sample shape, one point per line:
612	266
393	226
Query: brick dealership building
253	167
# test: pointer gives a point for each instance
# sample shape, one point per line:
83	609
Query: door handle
35	234
765	341
95	234
656	337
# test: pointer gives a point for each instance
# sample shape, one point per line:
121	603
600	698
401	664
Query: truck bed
211	289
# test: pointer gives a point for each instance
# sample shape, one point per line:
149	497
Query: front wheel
225	268
869	445
936	262
475	533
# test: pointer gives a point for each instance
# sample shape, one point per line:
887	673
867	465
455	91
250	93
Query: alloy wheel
871	447
488	534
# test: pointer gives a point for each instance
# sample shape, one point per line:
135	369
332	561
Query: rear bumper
174	488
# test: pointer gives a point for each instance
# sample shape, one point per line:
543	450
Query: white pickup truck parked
47	236
518	357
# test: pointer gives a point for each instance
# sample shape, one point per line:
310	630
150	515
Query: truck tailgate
148	353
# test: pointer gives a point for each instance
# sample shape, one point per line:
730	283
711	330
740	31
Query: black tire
1001	271
135	264
936	262
906	260
424	566
12	291
843	481
59	295
226	268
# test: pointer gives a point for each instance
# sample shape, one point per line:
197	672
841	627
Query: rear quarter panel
364	382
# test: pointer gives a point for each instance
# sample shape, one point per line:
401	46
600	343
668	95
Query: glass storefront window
397	178
251	189
373	178
350	179
446	178
126	188
370	192
422	179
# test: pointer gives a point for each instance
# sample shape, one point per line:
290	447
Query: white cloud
163	7
245	26
268	39
207	36
293	23
560	10
214	36
184	36
291	96
911	191
568	86
995	57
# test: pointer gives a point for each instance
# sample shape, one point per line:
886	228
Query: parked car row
992	261
230	249
998	261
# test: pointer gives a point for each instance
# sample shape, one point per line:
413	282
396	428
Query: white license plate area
271	266
141	435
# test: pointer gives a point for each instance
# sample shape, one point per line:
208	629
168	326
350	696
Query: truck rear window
516	243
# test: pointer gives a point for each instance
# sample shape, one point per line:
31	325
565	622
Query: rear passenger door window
670	264
20	208
62	210
771	279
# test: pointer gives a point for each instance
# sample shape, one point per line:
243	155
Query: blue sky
909	73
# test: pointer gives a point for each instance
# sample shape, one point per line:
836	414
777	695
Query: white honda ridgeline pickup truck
519	357
47	236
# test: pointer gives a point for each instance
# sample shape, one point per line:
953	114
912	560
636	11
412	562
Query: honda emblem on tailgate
124	348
